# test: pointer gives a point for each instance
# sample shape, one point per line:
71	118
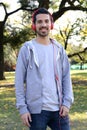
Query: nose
44	24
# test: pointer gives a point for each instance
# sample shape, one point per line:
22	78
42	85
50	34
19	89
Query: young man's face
43	25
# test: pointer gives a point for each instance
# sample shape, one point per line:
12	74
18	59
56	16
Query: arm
21	68
67	91
20	77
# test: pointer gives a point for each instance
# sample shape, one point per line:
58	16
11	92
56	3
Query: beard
42	32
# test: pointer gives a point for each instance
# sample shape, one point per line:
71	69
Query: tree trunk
81	64
44	3
1	51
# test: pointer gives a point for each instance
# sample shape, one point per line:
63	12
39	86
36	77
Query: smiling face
43	25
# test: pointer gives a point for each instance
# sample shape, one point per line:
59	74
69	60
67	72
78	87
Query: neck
43	40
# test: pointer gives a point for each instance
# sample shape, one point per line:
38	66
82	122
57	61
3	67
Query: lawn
9	116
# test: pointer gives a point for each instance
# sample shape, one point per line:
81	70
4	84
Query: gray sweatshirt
28	79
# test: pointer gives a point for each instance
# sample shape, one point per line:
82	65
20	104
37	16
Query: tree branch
21	8
62	4
78	53
60	12
2	4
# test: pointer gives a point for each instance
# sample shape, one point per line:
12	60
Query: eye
39	21
46	21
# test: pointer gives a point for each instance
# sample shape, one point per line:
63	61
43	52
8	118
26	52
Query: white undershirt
50	97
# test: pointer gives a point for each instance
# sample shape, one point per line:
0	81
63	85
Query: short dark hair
41	11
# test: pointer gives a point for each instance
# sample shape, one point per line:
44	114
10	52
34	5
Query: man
43	84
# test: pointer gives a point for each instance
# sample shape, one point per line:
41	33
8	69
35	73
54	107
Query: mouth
43	28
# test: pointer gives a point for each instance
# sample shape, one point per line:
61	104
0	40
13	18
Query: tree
66	36
31	5
80	58
2	27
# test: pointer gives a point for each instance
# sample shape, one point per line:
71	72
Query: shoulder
26	46
60	49
58	46
56	43
27	43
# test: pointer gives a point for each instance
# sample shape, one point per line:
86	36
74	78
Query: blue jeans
51	119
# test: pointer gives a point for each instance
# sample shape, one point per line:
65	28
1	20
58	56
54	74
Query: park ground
10	118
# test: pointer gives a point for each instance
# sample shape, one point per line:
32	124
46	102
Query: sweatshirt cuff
67	104
23	110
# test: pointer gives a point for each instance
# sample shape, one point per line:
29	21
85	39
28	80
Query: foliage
16	36
73	34
80	58
9	58
28	3
23	2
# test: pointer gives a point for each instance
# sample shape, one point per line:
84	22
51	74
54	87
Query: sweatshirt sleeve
20	76
67	90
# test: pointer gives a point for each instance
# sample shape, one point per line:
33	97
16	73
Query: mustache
43	28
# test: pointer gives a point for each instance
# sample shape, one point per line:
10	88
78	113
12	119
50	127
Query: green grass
9	78
78	112
79	75
9	116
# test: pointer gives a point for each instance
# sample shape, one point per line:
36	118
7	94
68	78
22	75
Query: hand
26	118
64	111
